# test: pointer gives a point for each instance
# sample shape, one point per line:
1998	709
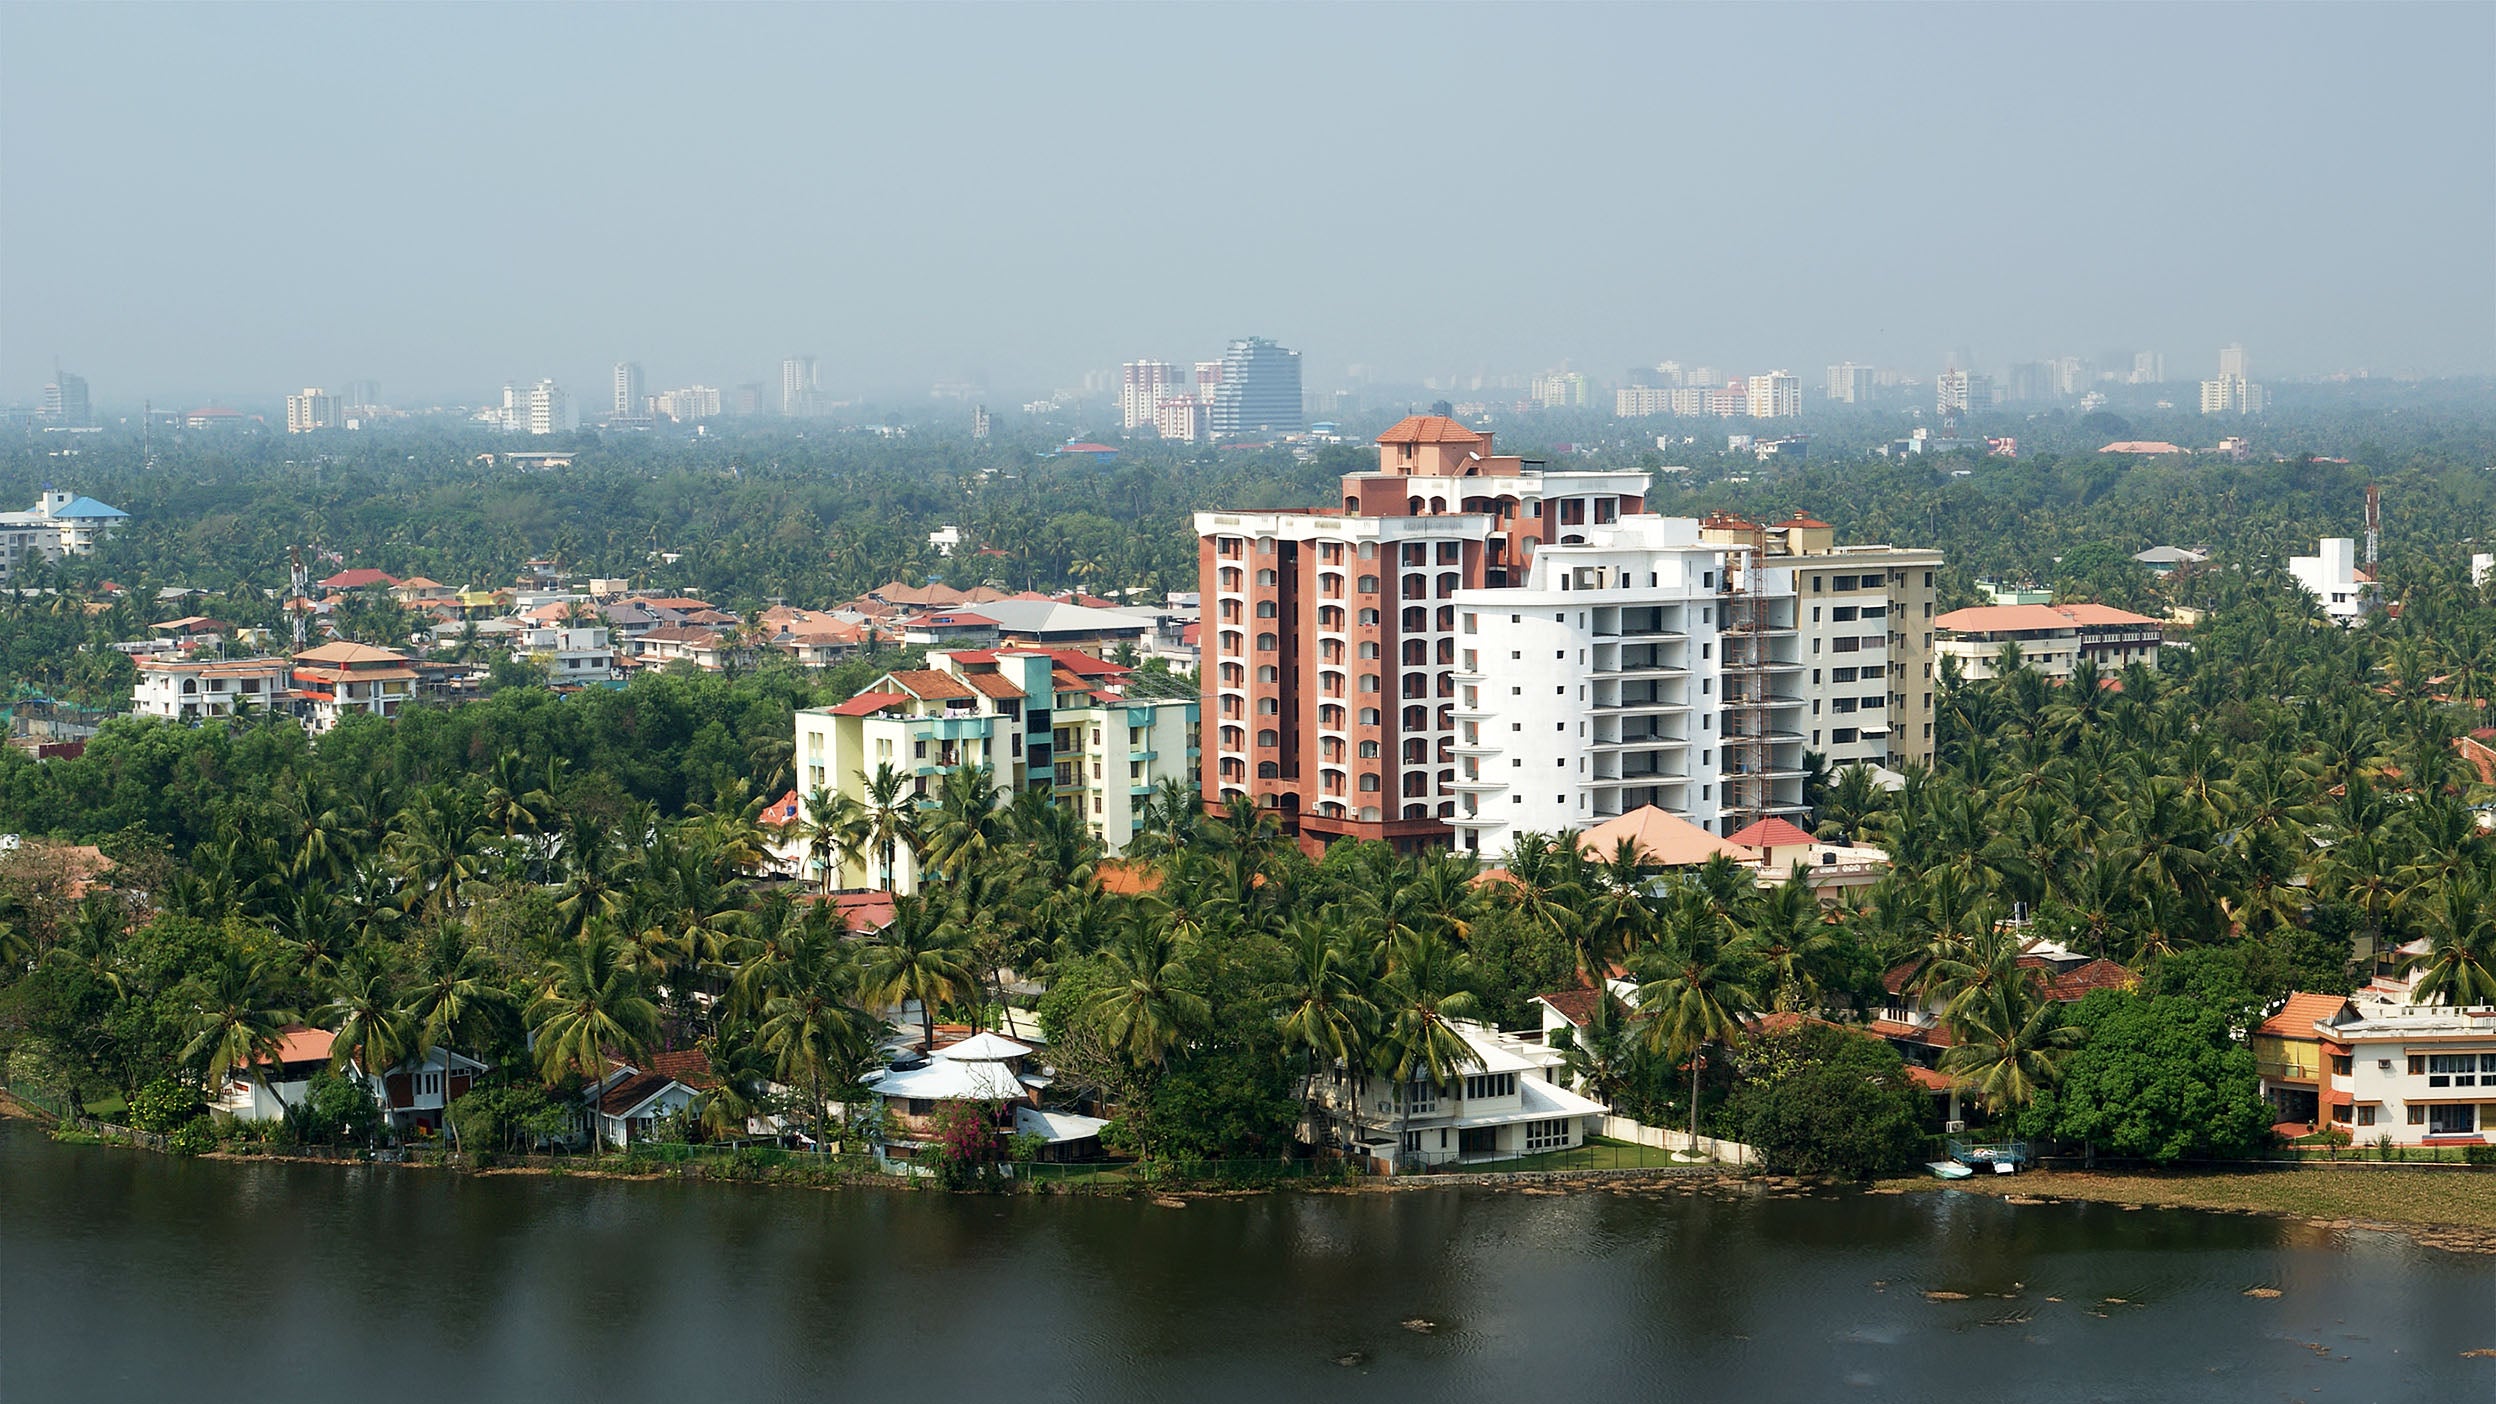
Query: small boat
1948	1169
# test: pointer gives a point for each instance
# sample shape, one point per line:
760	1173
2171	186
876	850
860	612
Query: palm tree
834	827
964	824
916	958
371	1031
2459	965
1599	1056
453	1000
812	1027
892	815
1425	992
1786	932
1144	1003
1325	1016
2008	1042
1694	988
589	1000
235	1019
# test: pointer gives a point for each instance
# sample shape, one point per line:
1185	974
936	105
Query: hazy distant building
979	422
362	394
2231	394
2031	380
1640	401
542	408
1559	390
2149	368
686	405
1958	391
1733	399
798	386
1208	375
65	399
629	400
1179	418
313	409
1850	384
1141	388
2232	360
1776	395
1259	390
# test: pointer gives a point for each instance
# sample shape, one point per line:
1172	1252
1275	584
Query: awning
1056	1128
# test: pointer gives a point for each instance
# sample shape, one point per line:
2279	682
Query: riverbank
2453	1209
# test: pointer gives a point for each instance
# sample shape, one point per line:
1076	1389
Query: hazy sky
220	200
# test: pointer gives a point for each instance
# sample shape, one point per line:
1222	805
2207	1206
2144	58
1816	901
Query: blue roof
89	507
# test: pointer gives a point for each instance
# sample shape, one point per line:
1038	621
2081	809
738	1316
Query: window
1546	1135
1369	586
1842	736
2365	1116
2458	1069
1483	1085
2461	1120
1266	643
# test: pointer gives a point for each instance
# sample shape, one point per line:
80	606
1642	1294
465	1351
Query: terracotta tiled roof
1929	1079
1989	618
632	1092
783	811
1127	879
1428	429
348	654
930	685
2081	981
679	633
1934	1037
690	1066
1770	833
1664	840
992	685
356	579
2296	1018
901	593
1806	521
1577	1005
868	703
302	1045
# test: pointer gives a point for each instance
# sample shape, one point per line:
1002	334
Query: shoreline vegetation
2452	1208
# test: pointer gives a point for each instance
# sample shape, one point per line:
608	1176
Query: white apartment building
1850	384
1142	386
314	409
2232	394
59	524
1776	395
1640	401
630	403
1038	718
206	689
542	408
574	655
1690	665
2377	1066
1180	419
337	680
2331	575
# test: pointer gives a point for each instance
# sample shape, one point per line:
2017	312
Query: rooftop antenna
2374	524
299	578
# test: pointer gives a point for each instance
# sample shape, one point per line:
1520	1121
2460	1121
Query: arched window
1267	643
1267	707
1369	716
1369	682
1369	619
1330	651
1416	784
1269	737
1228	577
1234	675
1369	584
1233	641
1269	674
1416	620
1416	752
1448	580
1369	784
1266	609
1330	618
1234	738
1268	770
1330	717
1369	750
1416	587
1416	719
1416	653
1265	577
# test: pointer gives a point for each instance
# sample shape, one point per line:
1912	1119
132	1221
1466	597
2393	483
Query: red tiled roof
1929	1079
867	912
993	685
302	1045
690	1066
1987	618
1576	1005
1127	879
929	685
783	811
632	1092
868	703
1934	1037
2296	1018
1428	429
2081	981
1770	833
356	579
1806	521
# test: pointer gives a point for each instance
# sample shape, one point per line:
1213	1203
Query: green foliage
2161	1077
1817	1100
164	1106
198	1136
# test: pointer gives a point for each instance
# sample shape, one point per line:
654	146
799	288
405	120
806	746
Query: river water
131	1276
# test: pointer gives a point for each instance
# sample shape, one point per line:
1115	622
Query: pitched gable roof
868	703
2297	1018
929	685
1770	833
1428	429
1664	840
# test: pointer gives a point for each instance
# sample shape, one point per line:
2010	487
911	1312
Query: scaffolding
1747	779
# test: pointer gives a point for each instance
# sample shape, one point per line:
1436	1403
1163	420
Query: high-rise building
2149	368
1958	391
1776	395
542	408
1561	389
630	403
1259	390
1850	384
1639	401
2232	360
1731	399
65	399
1179	419
2232	394
979	422
798	386
362	394
313	409
1379	671
1208	375
688	404
1142	384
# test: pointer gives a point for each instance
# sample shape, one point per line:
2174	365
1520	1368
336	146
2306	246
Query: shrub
198	1136
164	1106
2479	1155
1818	1100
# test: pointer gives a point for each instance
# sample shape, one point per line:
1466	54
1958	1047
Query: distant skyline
236	201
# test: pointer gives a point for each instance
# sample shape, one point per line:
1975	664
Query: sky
233	201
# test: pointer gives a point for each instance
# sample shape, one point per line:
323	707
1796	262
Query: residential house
1508	1099
359	578
277	1080
2346	590
705	649
574	655
2376	1065
1912	1020
205	689
1832	869
630	1100
59	524
988	1070
416	1092
337	679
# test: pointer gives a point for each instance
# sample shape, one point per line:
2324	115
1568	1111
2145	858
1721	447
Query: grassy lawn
1596	1154
2444	1198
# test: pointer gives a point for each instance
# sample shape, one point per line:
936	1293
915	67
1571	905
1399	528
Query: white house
2377	1065
1508	1100
577	655
204	689
2332	576
628	1102
417	1091
283	1077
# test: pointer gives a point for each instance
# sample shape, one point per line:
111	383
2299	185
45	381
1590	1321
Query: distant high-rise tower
1850	384
542	408
313	409
2232	359
65	399
1259	391
797	386
1141	388
979	421
629	402
1776	395
2149	368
